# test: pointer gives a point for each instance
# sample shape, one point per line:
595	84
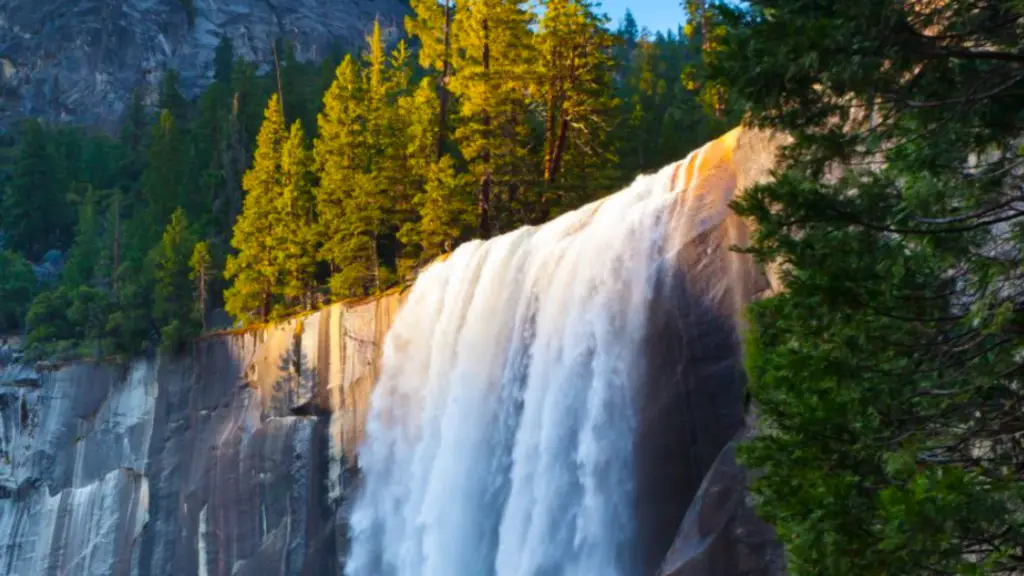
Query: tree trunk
202	297
549	135
117	241
444	95
559	152
277	70
487	182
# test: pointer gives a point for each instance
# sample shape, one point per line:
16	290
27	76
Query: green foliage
446	211
34	208
659	119
86	250
50	331
496	117
17	287
252	270
574	83
295	226
170	97
494	63
201	272
165	185
174	302
887	374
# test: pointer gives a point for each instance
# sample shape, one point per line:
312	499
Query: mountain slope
80	59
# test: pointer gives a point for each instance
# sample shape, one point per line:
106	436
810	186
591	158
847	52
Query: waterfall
501	436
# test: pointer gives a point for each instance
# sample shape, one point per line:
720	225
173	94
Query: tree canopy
888	373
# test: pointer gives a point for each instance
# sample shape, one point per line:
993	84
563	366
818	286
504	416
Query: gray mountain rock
79	60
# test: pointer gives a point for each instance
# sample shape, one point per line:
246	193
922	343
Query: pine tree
432	24
294	226
705	30
17	288
170	97
133	138
888	375
210	146
253	272
493	63
338	152
445	211
574	82
35	213
164	182
201	264
629	31
443	207
83	261
174	303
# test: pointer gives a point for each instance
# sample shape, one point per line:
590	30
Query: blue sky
654	14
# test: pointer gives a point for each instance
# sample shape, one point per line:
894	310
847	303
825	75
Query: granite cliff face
237	459
80	59
233	460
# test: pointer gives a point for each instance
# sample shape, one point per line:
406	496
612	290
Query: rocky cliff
230	461
80	59
236	459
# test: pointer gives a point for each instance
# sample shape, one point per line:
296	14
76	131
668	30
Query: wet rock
721	534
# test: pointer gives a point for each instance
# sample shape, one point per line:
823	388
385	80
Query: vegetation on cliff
486	118
888	374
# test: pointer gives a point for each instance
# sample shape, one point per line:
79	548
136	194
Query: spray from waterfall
501	435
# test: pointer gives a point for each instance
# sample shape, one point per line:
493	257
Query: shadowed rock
721	534
81	60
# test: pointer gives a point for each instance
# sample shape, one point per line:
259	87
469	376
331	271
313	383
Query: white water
500	437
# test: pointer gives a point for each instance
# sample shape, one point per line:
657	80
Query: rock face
721	533
230	461
79	60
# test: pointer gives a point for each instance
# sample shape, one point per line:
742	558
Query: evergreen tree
574	82
294	226
444	211
84	257
164	183
431	23
660	120
174	303
338	159
170	97
493	63
34	209
705	30
211	146
50	332
201	264
629	31
888	373
133	139
17	287
253	271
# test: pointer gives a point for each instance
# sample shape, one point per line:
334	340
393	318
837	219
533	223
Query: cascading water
501	437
